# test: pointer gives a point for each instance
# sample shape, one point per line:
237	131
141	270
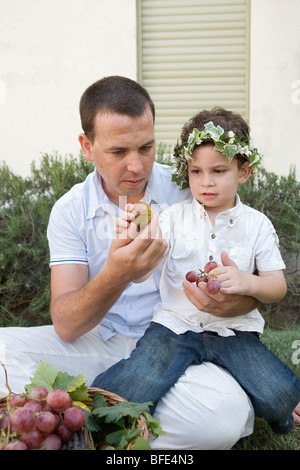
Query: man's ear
86	146
244	172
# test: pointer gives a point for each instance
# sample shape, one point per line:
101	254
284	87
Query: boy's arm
221	305
267	287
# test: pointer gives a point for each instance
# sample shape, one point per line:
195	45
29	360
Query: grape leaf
90	422
116	412
154	425
141	444
120	439
44	376
64	381
99	400
80	394
49	377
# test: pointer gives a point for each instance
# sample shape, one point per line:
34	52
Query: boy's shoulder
258	218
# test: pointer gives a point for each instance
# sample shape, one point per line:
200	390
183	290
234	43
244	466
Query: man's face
123	152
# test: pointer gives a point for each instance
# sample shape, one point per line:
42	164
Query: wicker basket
111	400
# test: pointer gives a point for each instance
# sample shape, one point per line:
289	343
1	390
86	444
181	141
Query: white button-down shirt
246	234
80	231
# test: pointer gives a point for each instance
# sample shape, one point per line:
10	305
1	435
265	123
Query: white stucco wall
50	52
275	82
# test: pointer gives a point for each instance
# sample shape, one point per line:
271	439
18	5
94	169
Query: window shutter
193	55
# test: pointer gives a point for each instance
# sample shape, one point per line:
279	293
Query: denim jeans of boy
162	356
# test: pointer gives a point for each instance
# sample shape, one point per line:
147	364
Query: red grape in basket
59	400
22	419
74	418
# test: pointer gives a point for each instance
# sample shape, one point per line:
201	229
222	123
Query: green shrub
25	205
278	197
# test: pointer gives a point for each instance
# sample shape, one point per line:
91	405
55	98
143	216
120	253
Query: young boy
214	156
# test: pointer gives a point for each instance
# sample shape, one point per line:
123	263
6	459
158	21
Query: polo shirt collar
97	197
99	200
152	195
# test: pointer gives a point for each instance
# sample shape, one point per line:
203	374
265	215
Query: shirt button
210	257
231	221
213	235
201	325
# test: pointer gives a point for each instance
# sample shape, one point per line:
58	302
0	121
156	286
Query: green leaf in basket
81	393
99	400
49	377
121	438
90	422
116	412
75	386
154	425
44	376
141	444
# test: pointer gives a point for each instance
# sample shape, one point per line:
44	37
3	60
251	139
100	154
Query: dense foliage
25	205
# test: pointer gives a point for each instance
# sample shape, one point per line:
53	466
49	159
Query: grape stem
7	405
6	379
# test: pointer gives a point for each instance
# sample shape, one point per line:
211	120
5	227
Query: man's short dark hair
114	94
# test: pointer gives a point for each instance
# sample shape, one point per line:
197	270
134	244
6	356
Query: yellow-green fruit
142	213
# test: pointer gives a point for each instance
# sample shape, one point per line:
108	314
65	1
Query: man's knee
205	410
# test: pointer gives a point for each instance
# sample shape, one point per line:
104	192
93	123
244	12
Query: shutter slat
193	55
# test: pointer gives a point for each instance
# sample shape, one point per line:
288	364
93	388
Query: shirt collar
198	209
99	200
231	215
152	195
96	196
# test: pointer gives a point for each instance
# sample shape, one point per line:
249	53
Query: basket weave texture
111	400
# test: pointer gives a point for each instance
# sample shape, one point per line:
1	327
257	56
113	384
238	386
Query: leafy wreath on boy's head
228	143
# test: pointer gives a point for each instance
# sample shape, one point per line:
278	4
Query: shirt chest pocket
243	258
184	256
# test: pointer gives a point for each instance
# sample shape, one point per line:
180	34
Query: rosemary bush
25	205
278	197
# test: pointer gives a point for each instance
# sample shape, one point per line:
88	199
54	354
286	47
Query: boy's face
123	152
213	180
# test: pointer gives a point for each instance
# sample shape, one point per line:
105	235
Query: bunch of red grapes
39	420
213	285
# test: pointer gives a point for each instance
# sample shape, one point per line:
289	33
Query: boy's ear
244	172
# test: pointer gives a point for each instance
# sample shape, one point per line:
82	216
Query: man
98	312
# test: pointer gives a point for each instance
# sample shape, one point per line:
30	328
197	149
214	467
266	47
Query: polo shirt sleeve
65	243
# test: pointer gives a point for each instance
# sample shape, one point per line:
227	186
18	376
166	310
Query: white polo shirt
80	232
246	234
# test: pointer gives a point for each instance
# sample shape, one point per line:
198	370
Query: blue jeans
161	357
